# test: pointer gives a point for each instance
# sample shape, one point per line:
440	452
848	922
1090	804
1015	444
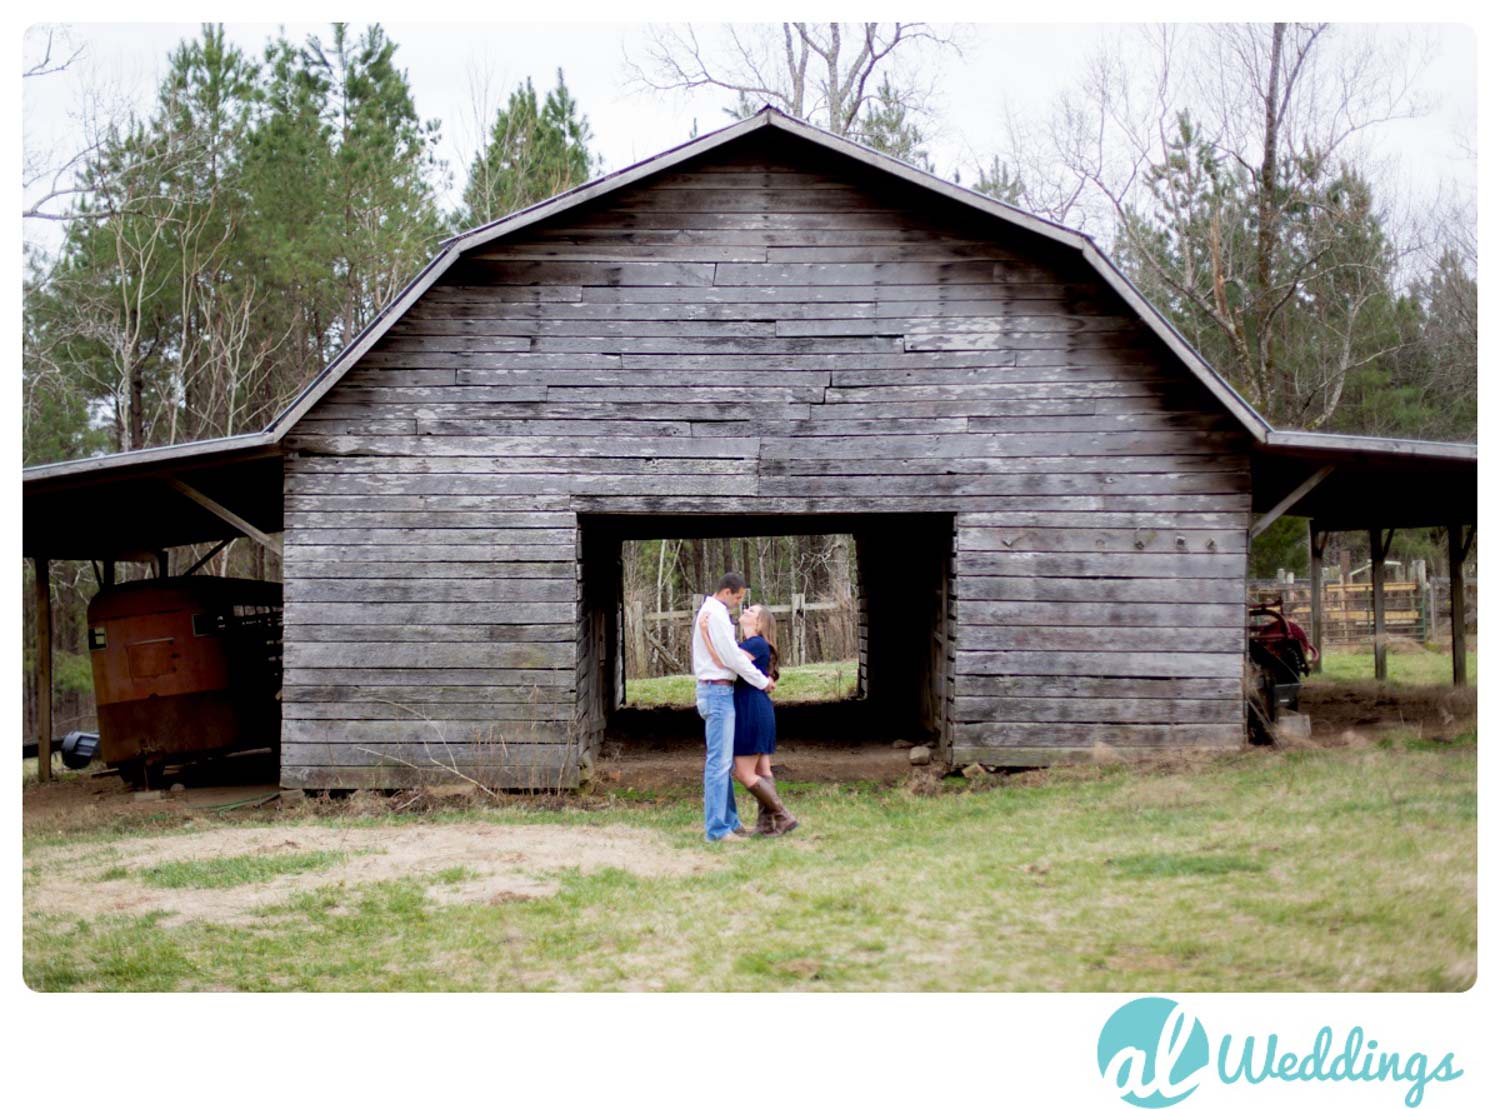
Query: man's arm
708	639
727	651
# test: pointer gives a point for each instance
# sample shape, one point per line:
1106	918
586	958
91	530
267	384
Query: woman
755	723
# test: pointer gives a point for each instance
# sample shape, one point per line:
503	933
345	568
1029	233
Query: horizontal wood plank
1154	664
538	656
1086	710
1114	734
1111	638
434	565
377	610
522	680
427	589
430	694
1159	540
1102	614
1068	687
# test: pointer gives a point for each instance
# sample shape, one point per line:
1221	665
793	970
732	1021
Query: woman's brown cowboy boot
765	823
764	791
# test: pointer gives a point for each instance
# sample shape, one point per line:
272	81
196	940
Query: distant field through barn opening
876	666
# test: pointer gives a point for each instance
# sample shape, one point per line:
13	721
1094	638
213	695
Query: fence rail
810	631
1415	609
685	613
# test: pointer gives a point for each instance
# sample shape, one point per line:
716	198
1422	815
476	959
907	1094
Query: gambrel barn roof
1400	482
772	119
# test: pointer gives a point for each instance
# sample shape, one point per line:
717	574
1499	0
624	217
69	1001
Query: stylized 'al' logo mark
1152	1052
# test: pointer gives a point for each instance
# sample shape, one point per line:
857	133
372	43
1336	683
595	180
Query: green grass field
1343	870
1425	667
822	681
833	681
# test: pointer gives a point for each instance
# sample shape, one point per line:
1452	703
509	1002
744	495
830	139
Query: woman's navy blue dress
754	715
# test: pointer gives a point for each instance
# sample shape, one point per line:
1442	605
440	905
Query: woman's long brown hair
765	627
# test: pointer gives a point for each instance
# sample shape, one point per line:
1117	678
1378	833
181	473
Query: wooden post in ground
799	628
1378	550
1315	541
43	668
1457	551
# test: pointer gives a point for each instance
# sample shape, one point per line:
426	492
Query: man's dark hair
733	582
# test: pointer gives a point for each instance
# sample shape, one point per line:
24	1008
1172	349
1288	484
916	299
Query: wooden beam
1457	550
266	541
1316	541
1289	501
43	669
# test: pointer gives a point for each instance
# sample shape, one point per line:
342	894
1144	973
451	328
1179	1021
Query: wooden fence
807	631
1413	609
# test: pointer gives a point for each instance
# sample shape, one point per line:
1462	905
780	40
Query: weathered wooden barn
768	330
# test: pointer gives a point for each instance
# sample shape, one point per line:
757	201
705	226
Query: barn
768	330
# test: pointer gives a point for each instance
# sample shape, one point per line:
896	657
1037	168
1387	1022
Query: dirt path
484	863
680	766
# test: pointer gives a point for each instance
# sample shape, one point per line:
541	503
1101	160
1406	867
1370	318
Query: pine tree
383	203
887	127
534	152
1001	182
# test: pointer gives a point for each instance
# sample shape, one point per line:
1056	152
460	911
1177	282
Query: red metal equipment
184	667
1280	656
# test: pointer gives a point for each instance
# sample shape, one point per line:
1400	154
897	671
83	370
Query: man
717	658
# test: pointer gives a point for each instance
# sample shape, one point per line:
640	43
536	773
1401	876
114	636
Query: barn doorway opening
807	582
863	605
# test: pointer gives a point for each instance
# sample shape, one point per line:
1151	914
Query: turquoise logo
1153	1051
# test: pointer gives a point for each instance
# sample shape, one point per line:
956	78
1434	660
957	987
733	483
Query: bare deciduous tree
47	177
825	73
1247	209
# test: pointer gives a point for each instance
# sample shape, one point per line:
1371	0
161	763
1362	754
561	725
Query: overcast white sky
1017	67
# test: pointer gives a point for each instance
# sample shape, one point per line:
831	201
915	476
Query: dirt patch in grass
1370	707
471	862
668	765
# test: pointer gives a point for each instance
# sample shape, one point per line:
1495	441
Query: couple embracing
735	681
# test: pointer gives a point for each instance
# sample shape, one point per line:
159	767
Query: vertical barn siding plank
763	330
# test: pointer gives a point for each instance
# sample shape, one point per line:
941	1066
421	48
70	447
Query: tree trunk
1264	365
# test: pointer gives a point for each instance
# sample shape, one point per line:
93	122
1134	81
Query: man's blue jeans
716	706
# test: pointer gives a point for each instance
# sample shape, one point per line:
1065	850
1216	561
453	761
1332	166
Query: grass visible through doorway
819	681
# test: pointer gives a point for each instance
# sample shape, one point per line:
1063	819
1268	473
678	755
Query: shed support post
43	668
1457	550
1315	542
1379	547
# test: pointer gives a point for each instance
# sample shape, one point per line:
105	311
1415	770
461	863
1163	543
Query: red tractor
1280	656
